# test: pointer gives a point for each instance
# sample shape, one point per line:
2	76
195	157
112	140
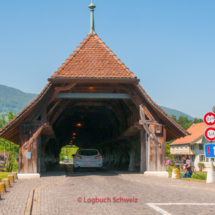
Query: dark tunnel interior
101	124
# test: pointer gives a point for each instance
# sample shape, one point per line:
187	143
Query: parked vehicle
87	158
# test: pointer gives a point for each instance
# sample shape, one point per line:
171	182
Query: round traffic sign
210	133
209	118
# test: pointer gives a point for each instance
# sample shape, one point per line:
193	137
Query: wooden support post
152	160
161	159
143	151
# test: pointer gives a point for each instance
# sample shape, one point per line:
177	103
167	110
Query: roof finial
92	28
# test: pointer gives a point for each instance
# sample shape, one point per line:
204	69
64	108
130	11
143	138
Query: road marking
158	209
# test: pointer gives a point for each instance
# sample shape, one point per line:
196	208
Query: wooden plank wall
28	165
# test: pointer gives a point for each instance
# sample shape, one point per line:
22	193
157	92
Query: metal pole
4	152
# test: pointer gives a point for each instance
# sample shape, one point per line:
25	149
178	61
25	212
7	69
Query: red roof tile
93	59
196	131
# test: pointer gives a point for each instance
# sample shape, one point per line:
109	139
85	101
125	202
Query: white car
90	158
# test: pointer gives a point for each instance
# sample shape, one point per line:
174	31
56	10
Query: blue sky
169	45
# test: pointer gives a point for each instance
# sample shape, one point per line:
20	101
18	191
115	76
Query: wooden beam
58	112
142	151
94	80
143	119
52	108
66	87
93	96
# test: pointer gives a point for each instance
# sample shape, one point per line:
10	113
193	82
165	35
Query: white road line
200	204
155	206
158	209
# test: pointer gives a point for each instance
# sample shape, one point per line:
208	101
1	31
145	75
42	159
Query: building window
181	148
177	148
173	149
193	157
200	146
185	148
202	158
192	147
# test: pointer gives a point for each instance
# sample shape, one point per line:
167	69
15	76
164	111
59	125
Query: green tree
168	154
10	116
2	121
5	145
184	122
68	151
213	109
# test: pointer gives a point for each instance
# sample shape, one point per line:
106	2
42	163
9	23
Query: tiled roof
93	59
196	131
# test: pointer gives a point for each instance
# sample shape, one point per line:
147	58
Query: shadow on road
67	169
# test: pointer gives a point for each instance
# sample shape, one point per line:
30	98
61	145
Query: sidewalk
15	199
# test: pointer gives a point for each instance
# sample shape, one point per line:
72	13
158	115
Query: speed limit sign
210	133
209	118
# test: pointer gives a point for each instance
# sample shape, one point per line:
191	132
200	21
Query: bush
15	167
201	165
11	164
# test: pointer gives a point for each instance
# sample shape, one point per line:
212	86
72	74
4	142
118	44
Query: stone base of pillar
28	175
210	176
163	174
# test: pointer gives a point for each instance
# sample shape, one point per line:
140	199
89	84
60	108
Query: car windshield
88	152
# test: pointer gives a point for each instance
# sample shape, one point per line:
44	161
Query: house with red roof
193	146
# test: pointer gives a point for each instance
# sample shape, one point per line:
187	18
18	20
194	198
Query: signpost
210	133
210	150
209	120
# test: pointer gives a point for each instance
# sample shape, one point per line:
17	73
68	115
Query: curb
30	201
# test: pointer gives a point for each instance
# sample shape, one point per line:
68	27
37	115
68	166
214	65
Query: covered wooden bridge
95	101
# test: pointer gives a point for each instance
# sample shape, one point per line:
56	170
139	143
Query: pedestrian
167	162
187	167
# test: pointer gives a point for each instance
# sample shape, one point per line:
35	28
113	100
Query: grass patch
203	175
4	175
194	177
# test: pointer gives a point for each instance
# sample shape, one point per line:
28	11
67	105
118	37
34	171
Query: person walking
167	162
187	167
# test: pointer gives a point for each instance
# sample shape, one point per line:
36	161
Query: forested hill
13	100
177	113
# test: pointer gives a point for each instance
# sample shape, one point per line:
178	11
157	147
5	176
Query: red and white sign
209	118
210	133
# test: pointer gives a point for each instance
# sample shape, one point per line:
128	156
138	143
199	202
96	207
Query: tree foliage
213	109
5	145
68	151
168	151
13	100
184	122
